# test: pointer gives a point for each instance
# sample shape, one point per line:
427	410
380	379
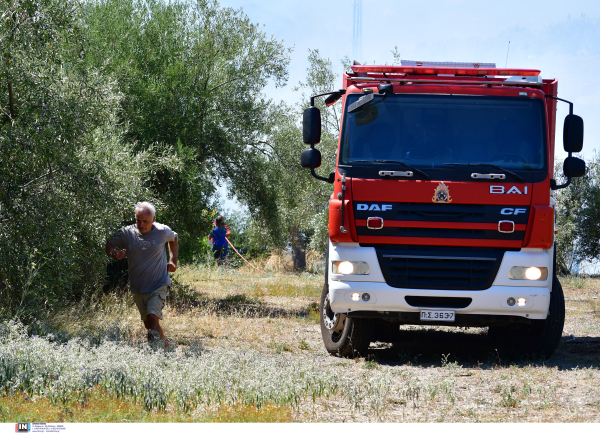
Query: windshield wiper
388	161
463	164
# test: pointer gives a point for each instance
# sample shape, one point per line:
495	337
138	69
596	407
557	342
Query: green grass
102	408
287	290
239	299
99	408
314	313
280	347
370	365
303	345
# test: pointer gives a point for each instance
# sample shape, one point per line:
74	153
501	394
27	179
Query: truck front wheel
541	337
343	336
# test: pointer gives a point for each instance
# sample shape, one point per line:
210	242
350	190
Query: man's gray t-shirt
146	255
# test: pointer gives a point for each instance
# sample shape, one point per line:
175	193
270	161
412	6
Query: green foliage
300	202
191	74
578	222
67	177
110	102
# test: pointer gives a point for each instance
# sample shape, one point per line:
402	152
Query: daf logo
376	207
501	189
512	211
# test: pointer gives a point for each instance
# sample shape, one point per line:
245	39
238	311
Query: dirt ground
440	373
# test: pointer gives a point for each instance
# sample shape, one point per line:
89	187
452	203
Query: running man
144	244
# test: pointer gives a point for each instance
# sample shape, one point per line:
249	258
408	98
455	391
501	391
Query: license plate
438	315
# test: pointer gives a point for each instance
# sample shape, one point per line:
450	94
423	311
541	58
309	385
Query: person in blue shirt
218	238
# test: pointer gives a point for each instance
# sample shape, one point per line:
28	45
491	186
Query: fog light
511	302
356	297
521	302
350	268
528	273
366	297
346	268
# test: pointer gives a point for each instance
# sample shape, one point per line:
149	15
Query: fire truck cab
442	210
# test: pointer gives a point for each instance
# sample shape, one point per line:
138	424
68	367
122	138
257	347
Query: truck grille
439	268
450	222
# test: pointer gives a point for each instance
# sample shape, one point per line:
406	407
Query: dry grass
216	282
582	298
434	375
240	413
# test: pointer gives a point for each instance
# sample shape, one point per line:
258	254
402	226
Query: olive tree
67	176
578	218
191	75
298	201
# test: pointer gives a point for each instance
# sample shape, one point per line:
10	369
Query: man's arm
111	252
173	251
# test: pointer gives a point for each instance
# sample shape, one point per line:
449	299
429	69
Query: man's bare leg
152	323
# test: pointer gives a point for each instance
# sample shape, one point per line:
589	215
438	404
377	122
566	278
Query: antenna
357	31
507	50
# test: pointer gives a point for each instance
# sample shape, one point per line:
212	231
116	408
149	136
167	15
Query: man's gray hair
146	205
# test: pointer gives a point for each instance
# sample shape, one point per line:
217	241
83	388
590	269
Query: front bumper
491	301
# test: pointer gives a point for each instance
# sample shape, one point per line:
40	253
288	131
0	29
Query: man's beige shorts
151	303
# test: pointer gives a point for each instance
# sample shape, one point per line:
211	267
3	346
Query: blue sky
560	38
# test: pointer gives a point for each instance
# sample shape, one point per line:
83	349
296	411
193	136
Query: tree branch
49	172
238	77
11	117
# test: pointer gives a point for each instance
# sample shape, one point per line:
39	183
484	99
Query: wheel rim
334	322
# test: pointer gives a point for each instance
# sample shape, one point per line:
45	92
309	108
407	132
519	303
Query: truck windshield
428	131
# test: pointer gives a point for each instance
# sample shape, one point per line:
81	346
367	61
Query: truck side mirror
573	134
573	167
333	98
310	158
311	127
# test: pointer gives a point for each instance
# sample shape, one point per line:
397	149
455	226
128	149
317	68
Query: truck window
430	130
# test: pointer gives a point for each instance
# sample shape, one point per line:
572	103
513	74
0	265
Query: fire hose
229	242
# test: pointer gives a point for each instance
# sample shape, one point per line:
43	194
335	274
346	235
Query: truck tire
343	336
541	337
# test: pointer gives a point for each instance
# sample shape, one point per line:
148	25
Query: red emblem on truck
441	194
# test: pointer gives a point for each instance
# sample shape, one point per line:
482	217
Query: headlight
351	268
528	273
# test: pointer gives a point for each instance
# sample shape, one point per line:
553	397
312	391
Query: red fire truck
442	210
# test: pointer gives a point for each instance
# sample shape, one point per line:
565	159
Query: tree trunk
298	249
11	103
